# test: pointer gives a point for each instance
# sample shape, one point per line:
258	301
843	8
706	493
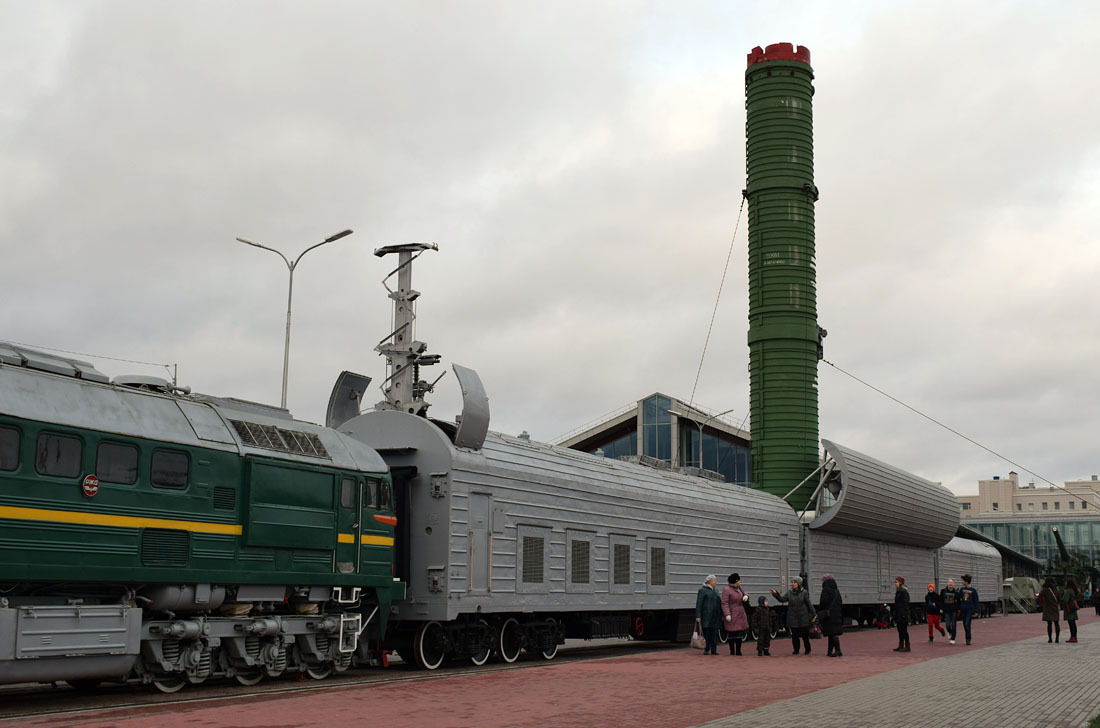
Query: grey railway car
980	560
520	535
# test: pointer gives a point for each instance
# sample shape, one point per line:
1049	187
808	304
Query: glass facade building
669	430
1035	539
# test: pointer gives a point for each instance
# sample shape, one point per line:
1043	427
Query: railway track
22	702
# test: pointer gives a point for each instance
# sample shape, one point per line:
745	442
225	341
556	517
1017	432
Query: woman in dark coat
800	613
831	614
1050	599
708	613
901	614
1071	601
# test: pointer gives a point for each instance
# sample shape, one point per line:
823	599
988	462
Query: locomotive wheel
169	683
250	677
509	640
429	646
480	658
551	652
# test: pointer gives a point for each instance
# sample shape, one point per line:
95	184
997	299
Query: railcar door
348	525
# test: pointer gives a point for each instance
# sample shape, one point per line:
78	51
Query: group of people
1068	600
950	603
714	610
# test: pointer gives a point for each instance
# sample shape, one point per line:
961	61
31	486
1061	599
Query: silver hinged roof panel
881	502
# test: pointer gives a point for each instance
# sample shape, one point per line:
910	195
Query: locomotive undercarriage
53	635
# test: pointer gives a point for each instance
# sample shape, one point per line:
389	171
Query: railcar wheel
320	672
509	640
169	683
480	658
551	652
249	678
429	645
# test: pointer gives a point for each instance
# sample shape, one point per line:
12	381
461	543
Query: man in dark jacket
949	603
932	609
968	604
901	614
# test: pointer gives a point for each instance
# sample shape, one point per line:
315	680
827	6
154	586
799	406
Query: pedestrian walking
1050	600
762	625
734	599
968	604
830	612
933	610
708	613
949	603
901	614
800	613
1071	602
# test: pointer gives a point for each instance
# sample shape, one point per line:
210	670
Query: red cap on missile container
780	52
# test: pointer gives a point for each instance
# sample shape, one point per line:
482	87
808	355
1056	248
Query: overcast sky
580	165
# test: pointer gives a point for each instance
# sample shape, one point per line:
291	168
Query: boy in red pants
933	608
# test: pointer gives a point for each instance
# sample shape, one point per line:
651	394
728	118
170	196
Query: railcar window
169	469
9	448
622	563
385	498
532	560
581	566
58	455
656	566
372	493
116	463
347	493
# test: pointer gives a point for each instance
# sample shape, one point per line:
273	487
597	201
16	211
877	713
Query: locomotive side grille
532	560
164	547
225	499
657	566
622	563
580	566
270	437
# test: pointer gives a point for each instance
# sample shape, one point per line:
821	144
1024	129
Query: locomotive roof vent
149	384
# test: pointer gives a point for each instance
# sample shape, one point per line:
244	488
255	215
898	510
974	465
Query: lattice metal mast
405	355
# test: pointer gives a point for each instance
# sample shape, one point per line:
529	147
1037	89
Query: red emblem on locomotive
90	485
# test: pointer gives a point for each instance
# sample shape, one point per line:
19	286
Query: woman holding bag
708	614
1071	601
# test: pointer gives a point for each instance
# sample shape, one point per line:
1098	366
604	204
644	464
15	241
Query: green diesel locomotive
150	534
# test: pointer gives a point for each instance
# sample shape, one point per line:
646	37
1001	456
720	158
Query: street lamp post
290	292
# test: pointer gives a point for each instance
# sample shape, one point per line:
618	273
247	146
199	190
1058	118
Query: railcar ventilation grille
622	563
270	437
225	499
532	560
164	547
580	566
657	566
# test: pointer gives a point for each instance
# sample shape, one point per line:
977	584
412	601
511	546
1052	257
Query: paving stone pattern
1025	684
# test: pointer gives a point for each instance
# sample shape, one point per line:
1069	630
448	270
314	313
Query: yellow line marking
346	538
104	519
376	540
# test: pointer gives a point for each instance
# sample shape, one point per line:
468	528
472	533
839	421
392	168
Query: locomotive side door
348	525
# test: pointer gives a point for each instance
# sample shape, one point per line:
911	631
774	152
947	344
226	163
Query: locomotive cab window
116	463
58	455
169	469
372	493
385	497
347	493
9	448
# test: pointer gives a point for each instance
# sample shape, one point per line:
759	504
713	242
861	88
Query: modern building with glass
1022	517
665	431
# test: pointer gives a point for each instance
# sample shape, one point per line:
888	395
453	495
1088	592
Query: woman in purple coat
736	621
